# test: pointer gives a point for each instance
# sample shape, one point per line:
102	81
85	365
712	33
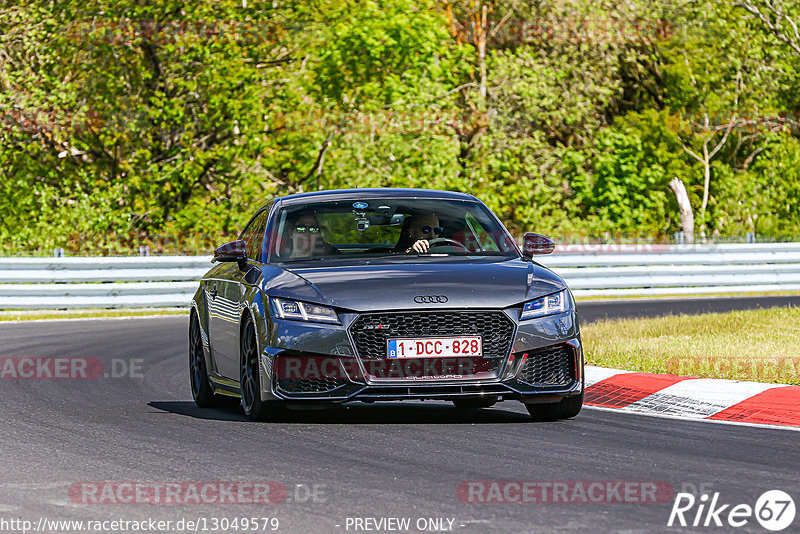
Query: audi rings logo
430	299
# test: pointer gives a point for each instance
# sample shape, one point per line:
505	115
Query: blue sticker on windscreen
360	205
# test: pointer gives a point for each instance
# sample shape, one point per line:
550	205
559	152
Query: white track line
118	318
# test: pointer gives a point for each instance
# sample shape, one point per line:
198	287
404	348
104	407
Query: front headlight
555	303
303	311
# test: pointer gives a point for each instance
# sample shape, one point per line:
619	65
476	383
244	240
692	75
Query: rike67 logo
774	510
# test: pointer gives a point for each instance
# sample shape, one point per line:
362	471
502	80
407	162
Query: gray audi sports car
383	294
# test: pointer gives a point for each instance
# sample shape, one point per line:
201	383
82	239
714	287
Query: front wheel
249	376
202	393
566	408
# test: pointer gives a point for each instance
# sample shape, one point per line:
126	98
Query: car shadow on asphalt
382	413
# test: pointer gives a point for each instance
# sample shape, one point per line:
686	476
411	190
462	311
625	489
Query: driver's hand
421	246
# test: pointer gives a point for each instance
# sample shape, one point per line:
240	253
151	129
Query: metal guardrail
642	270
590	271
100	282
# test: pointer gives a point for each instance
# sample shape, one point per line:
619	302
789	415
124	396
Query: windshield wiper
310	258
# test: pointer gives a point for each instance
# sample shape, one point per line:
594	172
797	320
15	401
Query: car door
230	290
223	306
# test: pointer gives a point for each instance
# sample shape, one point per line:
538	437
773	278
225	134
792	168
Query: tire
466	404
566	408
250	376
202	393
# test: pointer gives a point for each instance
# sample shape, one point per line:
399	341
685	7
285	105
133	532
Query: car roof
338	194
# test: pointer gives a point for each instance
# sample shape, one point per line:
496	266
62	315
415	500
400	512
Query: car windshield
344	229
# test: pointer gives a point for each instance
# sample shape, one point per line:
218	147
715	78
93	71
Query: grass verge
34	315
685	296
758	345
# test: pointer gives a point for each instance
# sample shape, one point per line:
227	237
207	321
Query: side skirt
225	386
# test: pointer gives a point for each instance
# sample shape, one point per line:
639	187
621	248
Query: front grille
370	333
299	374
553	366
293	386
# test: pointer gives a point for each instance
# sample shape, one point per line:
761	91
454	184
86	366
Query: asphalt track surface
403	459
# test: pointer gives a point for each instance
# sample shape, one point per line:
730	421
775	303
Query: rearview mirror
537	244
233	251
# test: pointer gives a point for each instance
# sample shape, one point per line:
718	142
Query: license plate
435	347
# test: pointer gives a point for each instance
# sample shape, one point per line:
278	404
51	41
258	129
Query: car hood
395	286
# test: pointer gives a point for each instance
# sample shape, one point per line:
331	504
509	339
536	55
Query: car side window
482	237
253	235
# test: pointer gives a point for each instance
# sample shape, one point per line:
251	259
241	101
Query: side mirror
233	251
537	244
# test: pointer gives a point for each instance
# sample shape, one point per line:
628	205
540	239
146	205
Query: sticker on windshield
360	205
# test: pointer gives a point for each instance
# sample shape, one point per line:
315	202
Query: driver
417	231
305	238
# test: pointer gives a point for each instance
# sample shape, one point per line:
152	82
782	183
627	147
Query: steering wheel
443	241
